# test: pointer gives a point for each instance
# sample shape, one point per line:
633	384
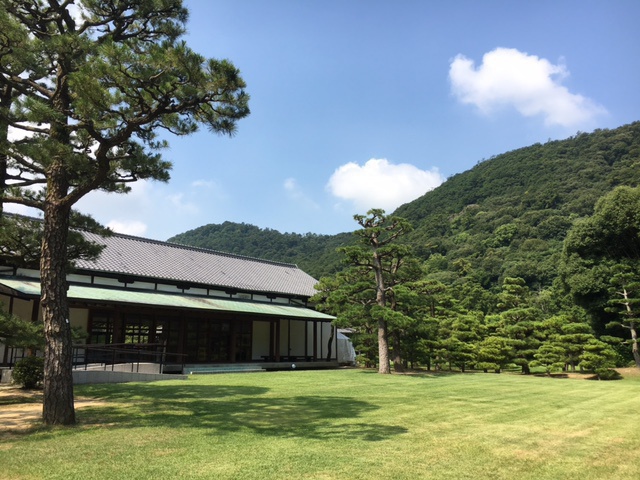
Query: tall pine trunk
397	353
631	327
330	343
634	343
384	365
58	407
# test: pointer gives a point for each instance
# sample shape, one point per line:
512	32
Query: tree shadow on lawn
434	374
228	409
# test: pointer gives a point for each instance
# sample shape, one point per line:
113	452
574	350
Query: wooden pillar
182	327
272	340
35	310
119	327
278	340
315	340
232	339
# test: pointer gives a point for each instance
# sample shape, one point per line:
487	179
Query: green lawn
347	424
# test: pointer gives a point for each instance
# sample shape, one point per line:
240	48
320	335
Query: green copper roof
158	299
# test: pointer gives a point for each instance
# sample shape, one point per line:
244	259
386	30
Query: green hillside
507	216
495	289
315	254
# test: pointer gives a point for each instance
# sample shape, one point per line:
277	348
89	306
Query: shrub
608	374
29	372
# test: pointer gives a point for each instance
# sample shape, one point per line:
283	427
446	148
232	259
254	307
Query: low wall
100	376
122	367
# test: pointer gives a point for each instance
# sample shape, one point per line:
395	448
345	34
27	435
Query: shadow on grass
229	409
420	373
18	400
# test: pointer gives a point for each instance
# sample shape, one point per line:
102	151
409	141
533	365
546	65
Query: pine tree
85	88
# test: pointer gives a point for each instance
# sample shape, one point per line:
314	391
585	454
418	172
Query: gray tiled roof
140	257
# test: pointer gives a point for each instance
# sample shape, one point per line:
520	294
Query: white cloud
181	206
380	184
295	193
15	134
290	185
531	85
21	210
154	209
128	227
202	184
77	12
129	213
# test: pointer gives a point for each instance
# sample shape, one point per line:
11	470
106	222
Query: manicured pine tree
519	322
600	358
85	91
379	262
494	353
550	356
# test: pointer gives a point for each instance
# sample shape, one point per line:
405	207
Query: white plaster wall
168	288
107	281
282	300
196	291
218	293
142	285
25	272
78	278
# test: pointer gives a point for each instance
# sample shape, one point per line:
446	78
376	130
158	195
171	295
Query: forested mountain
507	216
315	254
520	261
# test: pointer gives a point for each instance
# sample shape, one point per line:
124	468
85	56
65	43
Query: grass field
346	424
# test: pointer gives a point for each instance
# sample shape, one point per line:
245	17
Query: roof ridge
200	249
170	244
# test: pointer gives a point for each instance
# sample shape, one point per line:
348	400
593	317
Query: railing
14	354
109	357
130	355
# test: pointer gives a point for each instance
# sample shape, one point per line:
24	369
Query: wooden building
203	306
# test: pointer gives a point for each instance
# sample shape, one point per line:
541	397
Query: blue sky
360	104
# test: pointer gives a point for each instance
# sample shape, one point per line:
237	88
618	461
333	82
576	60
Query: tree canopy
528	219
378	266
86	86
506	217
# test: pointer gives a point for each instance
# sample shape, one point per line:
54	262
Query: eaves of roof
31	288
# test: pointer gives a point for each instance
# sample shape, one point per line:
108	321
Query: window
101	329
137	329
